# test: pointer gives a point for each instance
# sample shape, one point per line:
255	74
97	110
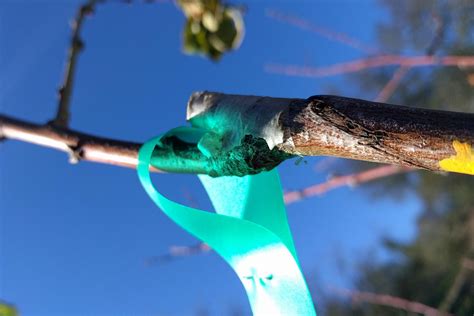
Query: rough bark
344	127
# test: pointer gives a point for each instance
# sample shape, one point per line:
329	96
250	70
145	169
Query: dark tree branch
65	91
63	113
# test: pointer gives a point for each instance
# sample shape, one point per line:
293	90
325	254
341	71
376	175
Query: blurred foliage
7	309
212	28
425	269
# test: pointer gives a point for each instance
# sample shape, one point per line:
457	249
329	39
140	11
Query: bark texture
345	127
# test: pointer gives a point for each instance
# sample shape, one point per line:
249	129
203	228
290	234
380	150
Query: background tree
436	267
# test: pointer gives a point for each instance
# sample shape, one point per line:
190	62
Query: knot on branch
75	154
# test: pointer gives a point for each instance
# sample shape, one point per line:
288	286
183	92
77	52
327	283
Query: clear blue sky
73	238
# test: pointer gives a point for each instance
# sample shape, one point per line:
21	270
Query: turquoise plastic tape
249	230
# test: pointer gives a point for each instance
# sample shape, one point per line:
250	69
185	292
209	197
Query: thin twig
468	264
341	181
388	90
320	30
454	289
178	251
390	301
368	63
79	146
65	91
463	270
390	87
63	114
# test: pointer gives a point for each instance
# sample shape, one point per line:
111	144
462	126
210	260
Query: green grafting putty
249	230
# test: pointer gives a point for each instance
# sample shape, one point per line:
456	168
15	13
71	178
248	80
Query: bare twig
323	31
454	289
399	74
463	270
468	263
392	84
390	301
368	63
65	91
63	115
79	146
341	181
178	251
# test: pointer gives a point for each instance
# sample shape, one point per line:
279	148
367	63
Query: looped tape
249	230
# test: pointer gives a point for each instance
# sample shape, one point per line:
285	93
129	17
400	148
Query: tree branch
399	74
337	126
341	181
318	126
392	84
76	46
65	91
390	301
468	264
325	32
178	251
78	146
367	63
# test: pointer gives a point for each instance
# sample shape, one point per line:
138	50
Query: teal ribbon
249	230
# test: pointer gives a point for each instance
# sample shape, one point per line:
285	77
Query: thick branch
337	126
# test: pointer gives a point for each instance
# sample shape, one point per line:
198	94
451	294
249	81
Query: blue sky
73	238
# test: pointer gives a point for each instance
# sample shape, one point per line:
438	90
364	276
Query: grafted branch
341	127
317	126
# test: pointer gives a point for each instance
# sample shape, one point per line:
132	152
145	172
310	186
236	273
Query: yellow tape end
463	162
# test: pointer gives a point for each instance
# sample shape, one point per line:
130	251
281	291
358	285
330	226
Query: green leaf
7	309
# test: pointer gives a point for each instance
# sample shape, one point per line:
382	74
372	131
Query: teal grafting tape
249	230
